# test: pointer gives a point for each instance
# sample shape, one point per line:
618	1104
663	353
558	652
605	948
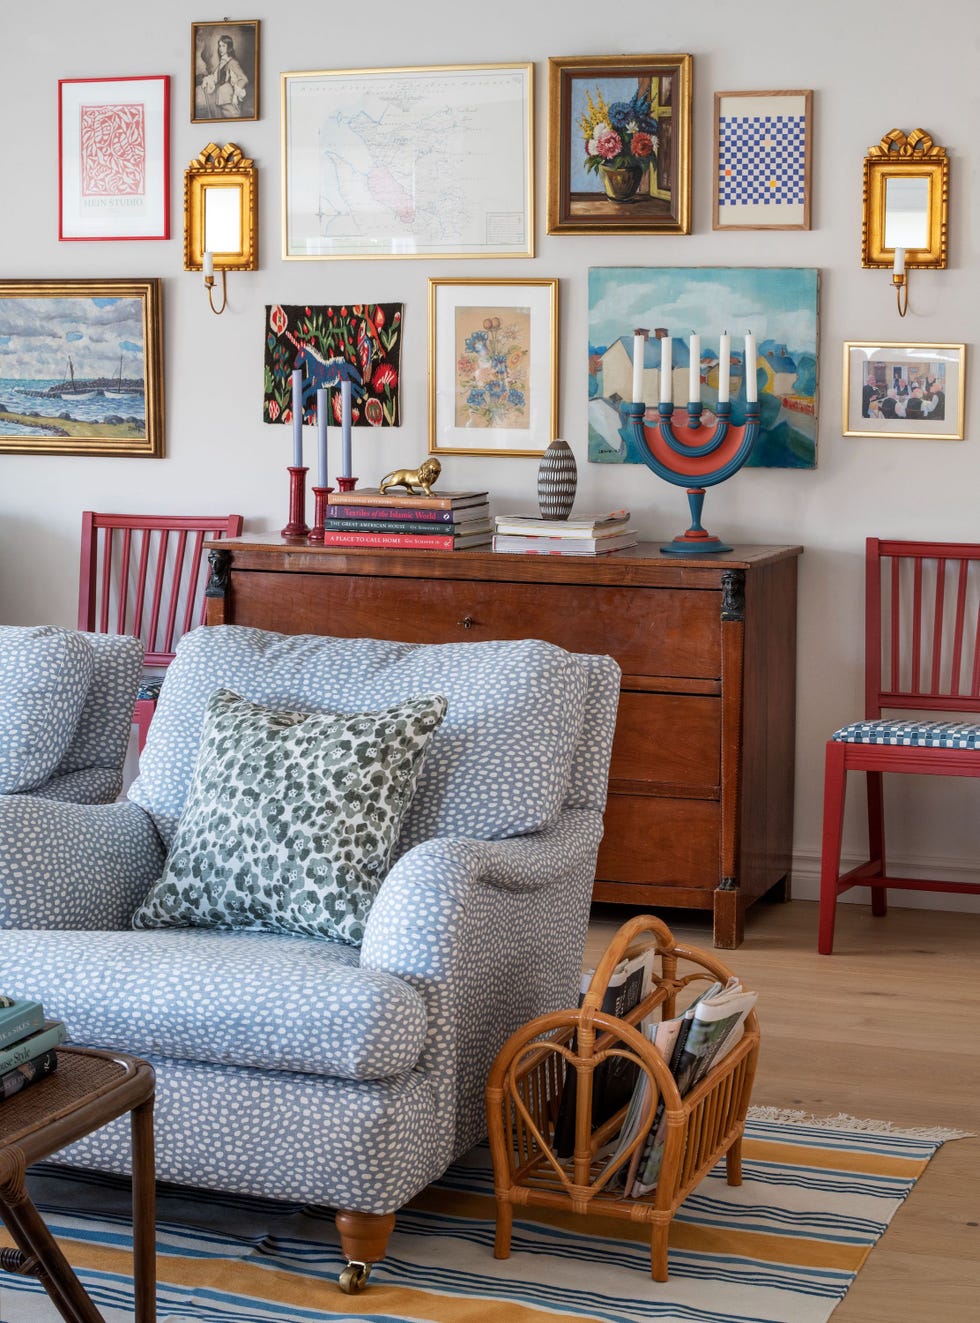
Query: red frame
915	639
117	238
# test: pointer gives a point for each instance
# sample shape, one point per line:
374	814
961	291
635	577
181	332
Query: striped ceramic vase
557	477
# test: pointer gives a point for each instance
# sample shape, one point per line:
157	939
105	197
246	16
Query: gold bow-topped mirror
220	210
906	193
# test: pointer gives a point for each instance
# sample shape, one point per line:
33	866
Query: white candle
639	357
207	264
751	384
345	423
724	367
666	369
694	382
298	418
322	405
900	261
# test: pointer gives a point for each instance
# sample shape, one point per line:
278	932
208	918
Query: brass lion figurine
424	476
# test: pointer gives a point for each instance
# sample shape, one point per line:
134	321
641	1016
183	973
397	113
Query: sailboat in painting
69	389
118	389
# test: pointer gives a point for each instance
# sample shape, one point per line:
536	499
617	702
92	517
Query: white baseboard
806	882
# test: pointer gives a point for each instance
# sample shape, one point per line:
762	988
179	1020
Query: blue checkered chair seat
924	734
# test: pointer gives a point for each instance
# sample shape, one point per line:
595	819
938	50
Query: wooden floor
887	1028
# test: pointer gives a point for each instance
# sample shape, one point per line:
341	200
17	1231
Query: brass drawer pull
467	622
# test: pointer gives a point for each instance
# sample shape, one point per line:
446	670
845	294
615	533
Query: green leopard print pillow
291	818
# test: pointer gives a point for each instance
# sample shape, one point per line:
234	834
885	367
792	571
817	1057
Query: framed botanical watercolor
619	144
419	162
493	366
114	158
763	160
81	367
224	71
897	389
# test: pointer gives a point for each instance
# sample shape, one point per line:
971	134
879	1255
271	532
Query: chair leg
834	787
876	839
142	716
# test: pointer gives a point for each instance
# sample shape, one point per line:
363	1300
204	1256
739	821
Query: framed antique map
420	162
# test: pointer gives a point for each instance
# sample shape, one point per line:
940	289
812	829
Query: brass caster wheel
354	1278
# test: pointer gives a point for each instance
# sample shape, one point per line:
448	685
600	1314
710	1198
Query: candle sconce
220	216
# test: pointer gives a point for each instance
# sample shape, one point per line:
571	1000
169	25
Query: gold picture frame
81	367
634	175
896	389
225	71
915	171
493	366
221	210
468	192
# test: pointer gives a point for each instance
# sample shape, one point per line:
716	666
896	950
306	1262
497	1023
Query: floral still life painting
493	362
358	342
777	305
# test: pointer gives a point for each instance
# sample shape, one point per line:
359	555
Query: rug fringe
793	1116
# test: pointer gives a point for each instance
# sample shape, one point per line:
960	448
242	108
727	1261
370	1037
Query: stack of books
581	535
27	1044
444	521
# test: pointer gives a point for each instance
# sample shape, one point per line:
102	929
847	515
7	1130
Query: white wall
872	65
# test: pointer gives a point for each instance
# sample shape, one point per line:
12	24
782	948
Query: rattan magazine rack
563	1050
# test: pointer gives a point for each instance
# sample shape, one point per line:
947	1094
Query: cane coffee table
88	1090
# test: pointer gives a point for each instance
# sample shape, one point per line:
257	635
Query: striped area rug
785	1245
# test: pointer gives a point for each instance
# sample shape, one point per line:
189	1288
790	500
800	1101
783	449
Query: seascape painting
73	367
777	305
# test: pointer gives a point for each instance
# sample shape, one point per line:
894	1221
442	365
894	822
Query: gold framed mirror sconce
906	201
220	215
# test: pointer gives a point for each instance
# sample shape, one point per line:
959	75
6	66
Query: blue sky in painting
773	303
37	333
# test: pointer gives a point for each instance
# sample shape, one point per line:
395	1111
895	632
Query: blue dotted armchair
308	1069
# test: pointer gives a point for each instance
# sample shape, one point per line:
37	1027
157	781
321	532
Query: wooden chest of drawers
700	810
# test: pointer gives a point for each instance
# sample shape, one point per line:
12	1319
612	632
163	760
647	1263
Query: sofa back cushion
45	674
498	766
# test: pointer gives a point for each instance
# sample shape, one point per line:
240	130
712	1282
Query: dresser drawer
649	631
661	842
667	743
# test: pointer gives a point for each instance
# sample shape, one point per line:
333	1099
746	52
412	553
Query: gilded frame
493	366
222	168
870	372
781	165
207	106
660	200
469	193
896	157
115	405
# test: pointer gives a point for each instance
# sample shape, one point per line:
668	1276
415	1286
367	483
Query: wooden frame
114	405
560	1050
468	193
896	164
493	366
119	191
882	378
635	181
224	71
763	154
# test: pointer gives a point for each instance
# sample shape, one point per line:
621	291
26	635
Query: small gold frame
898	156
221	168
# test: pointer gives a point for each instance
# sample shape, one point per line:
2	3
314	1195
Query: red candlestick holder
346	484
297	527
319	513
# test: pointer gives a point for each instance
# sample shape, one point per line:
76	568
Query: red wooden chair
145	575
922	653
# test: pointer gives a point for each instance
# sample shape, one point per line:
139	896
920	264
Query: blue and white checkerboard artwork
761	160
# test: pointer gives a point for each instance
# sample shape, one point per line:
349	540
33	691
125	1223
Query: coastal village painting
73	368
779	307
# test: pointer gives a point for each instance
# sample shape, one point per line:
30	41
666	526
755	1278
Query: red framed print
114	158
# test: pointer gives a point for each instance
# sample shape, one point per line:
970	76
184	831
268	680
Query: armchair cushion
45	674
291	818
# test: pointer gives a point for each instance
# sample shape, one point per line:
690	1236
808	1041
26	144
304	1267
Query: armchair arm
74	865
491	933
